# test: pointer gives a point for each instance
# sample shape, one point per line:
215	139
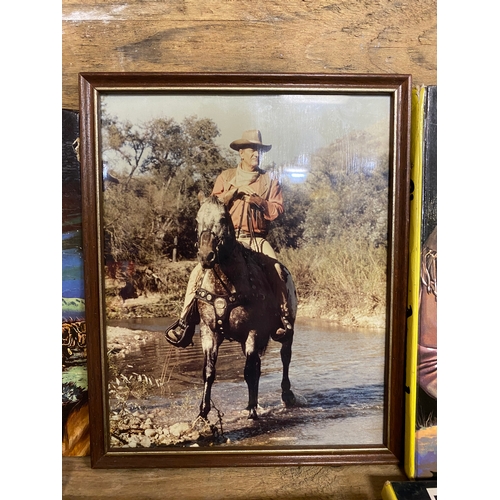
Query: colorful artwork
75	434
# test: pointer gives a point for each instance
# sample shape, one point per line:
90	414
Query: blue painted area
73	289
426	453
72	273
70	235
426	464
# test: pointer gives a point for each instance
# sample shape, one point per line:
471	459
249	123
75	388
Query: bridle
213	238
219	244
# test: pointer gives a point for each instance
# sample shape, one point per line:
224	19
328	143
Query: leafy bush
339	279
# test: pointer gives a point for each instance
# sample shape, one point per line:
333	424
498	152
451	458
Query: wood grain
239	36
80	482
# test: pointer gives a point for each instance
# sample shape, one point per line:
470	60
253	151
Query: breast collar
225	303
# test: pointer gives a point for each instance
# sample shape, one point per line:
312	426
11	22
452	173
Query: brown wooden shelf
356	482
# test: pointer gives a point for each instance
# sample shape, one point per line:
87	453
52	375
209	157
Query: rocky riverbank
148	429
132	425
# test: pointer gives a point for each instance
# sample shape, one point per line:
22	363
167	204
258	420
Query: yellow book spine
388	492
417	128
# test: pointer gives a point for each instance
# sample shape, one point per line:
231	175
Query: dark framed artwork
336	147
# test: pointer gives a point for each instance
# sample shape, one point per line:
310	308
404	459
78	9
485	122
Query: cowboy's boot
279	282
181	332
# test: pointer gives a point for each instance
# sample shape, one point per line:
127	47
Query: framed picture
245	261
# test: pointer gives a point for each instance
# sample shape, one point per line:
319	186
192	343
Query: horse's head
216	236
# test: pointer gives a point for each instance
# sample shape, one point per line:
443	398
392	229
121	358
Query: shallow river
337	377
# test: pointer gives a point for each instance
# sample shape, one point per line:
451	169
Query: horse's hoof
252	415
203	415
202	419
288	398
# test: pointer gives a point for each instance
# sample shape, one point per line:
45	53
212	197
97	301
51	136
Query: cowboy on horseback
253	200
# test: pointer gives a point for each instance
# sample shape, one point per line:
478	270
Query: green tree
164	166
348	183
287	231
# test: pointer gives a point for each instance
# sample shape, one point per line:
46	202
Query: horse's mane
203	198
213	200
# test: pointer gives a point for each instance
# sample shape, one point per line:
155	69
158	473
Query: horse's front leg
287	396
252	377
210	345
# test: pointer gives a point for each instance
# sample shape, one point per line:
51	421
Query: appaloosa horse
237	302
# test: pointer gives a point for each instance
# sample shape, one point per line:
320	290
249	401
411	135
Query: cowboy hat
252	139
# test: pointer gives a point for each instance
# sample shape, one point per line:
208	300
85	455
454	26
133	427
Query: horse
236	302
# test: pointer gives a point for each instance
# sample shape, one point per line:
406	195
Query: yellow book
406	490
417	121
421	364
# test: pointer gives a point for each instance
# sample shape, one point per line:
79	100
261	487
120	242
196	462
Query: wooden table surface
354	482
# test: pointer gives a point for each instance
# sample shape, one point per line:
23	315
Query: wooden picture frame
110	104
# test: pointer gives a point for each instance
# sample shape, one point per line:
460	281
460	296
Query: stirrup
182	338
284	331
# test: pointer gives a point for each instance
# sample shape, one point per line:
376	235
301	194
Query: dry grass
341	281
